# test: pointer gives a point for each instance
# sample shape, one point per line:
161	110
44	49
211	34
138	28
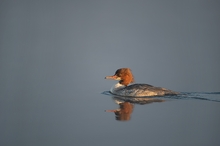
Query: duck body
138	90
125	87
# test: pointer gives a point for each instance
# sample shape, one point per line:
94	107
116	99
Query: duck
126	86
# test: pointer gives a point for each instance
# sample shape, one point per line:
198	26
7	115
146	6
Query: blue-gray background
166	43
64	49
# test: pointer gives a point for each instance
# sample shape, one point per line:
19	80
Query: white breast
116	87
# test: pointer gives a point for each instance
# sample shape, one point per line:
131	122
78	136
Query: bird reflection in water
124	111
126	106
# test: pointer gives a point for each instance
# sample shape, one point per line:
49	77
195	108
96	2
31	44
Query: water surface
54	57
80	119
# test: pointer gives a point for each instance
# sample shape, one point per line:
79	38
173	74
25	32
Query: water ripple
206	96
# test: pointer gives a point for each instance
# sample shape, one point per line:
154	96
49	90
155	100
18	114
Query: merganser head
124	75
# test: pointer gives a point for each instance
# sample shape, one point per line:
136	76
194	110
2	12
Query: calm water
80	119
54	57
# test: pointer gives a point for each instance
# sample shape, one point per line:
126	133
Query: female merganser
122	88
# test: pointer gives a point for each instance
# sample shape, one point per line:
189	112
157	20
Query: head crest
126	76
